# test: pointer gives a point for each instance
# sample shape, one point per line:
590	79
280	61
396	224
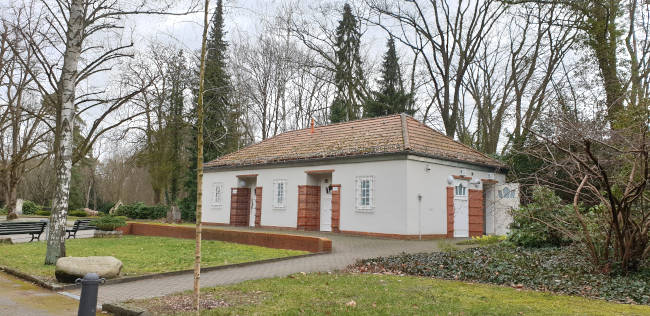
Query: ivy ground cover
559	270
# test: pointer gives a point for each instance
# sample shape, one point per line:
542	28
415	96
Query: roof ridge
461	143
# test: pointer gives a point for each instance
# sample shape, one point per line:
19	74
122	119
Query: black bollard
88	301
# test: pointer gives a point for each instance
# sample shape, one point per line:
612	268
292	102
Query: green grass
139	254
316	294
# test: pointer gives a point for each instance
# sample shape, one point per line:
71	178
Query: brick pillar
258	206
476	213
336	207
450	212
309	207
240	206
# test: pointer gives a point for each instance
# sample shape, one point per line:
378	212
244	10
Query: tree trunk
63	134
11	202
199	162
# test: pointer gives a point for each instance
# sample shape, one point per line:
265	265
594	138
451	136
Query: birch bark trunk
63	136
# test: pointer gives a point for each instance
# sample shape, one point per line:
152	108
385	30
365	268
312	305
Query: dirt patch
184	302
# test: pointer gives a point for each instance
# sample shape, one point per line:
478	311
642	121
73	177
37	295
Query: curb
118	309
62	287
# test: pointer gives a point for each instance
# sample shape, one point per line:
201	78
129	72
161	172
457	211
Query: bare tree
448	37
23	118
513	77
606	170
199	161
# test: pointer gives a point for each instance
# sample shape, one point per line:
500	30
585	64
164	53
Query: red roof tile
380	135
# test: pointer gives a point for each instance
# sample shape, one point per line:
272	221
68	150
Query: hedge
141	211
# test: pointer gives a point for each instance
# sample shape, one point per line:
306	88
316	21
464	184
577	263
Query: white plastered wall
428	177
387	217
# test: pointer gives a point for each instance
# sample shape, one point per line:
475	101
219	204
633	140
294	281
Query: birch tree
75	30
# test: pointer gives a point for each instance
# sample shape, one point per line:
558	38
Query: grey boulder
68	269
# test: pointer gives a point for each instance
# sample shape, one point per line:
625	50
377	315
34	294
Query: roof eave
497	167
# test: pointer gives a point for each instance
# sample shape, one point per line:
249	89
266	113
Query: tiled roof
380	135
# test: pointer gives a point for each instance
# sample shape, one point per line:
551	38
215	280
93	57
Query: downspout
420	216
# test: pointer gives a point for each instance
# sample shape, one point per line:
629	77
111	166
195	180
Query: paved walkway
22	298
346	250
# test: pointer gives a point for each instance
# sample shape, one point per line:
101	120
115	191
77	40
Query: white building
388	176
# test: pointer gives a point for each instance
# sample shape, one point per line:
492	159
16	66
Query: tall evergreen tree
349	79
391	97
221	117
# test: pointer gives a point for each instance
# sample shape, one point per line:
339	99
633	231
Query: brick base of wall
394	236
270	240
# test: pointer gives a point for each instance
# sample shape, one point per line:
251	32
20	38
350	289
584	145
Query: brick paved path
22	298
346	250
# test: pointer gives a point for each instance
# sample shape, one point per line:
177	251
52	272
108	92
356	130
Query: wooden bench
15	228
80	224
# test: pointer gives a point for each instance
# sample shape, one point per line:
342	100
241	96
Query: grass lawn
139	254
359	294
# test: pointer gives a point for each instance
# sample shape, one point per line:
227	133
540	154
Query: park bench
80	224
15	228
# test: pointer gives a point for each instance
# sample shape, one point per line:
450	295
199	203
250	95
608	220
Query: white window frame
276	203
465	186
371	192
217	200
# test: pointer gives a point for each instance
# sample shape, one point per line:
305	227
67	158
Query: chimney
312	125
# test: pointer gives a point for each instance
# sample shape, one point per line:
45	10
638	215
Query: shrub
104	207
31	208
109	222
483	240
529	227
3	211
188	210
43	213
141	211
78	213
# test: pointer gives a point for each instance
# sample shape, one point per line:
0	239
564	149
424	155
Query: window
365	192
279	193
461	190
217	197
506	193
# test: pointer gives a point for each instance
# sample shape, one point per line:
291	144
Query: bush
529	228
104	207
188	210
141	211
31	208
3	211
483	240
109	222
78	213
43	213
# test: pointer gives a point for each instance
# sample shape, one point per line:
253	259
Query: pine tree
391	97
349	79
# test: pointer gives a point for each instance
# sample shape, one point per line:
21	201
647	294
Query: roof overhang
383	156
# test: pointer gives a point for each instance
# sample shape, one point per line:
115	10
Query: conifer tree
221	115
349	79
391	97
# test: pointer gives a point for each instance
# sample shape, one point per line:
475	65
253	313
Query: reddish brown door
240	206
